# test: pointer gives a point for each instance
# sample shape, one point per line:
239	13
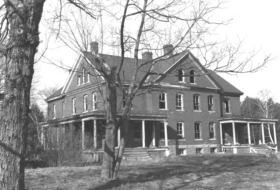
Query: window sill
212	139
180	110
181	82
94	110
163	109
196	110
198	139
228	113
211	111
85	111
74	114
182	139
193	83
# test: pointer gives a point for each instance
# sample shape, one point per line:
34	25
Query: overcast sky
255	21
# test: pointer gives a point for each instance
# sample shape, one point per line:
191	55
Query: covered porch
241	135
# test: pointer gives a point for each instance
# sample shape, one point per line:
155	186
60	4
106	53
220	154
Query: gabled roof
160	67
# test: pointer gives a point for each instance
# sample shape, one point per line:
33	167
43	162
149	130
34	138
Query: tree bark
110	135
24	18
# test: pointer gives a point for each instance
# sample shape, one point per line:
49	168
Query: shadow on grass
188	169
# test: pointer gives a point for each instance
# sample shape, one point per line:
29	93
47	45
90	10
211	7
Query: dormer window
181	77
84	77
88	77
192	77
210	103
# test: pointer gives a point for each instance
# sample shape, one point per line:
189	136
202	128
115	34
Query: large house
187	110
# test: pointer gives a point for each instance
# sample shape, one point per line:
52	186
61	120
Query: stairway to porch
132	154
260	149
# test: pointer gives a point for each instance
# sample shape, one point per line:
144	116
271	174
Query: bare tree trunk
268	129
110	135
24	17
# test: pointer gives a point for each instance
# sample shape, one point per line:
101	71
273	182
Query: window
196	102
94	101
192	77
210	103
179	102
180	129
163	101
88	77
213	150
84	76
212	131
85	103
227	105
74	109
161	130
181	77
79	80
199	151
137	132
124	98
54	111
197	130
63	109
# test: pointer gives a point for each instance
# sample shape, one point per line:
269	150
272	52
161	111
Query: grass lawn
189	172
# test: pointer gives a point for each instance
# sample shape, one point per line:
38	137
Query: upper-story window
94	101
196	102
227	105
84	75
210	103
180	129
54	111
85	103
197	130
79	80
74	109
88	77
124	98
212	131
181	77
179	102
192	77
63	109
163	101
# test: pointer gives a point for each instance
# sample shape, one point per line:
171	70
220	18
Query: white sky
253	20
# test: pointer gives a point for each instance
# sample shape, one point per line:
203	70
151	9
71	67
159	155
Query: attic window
79	80
192	77
84	77
88	77
181	77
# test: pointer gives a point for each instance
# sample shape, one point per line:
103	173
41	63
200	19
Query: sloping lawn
188	172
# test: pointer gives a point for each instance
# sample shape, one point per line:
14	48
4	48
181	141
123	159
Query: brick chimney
168	49
94	47
147	56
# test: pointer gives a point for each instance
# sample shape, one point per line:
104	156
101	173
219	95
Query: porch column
275	135
249	133
221	134
119	137
166	133
143	134
233	133
83	134
263	138
154	134
94	134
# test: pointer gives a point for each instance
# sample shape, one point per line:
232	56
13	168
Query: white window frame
181	129
94	101
197	124
212	106
181	75
85	103
179	102
227	104
54	111
192	77
163	99
74	106
213	126
88	77
63	108
196	102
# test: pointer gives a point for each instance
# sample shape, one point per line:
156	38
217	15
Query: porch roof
247	120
